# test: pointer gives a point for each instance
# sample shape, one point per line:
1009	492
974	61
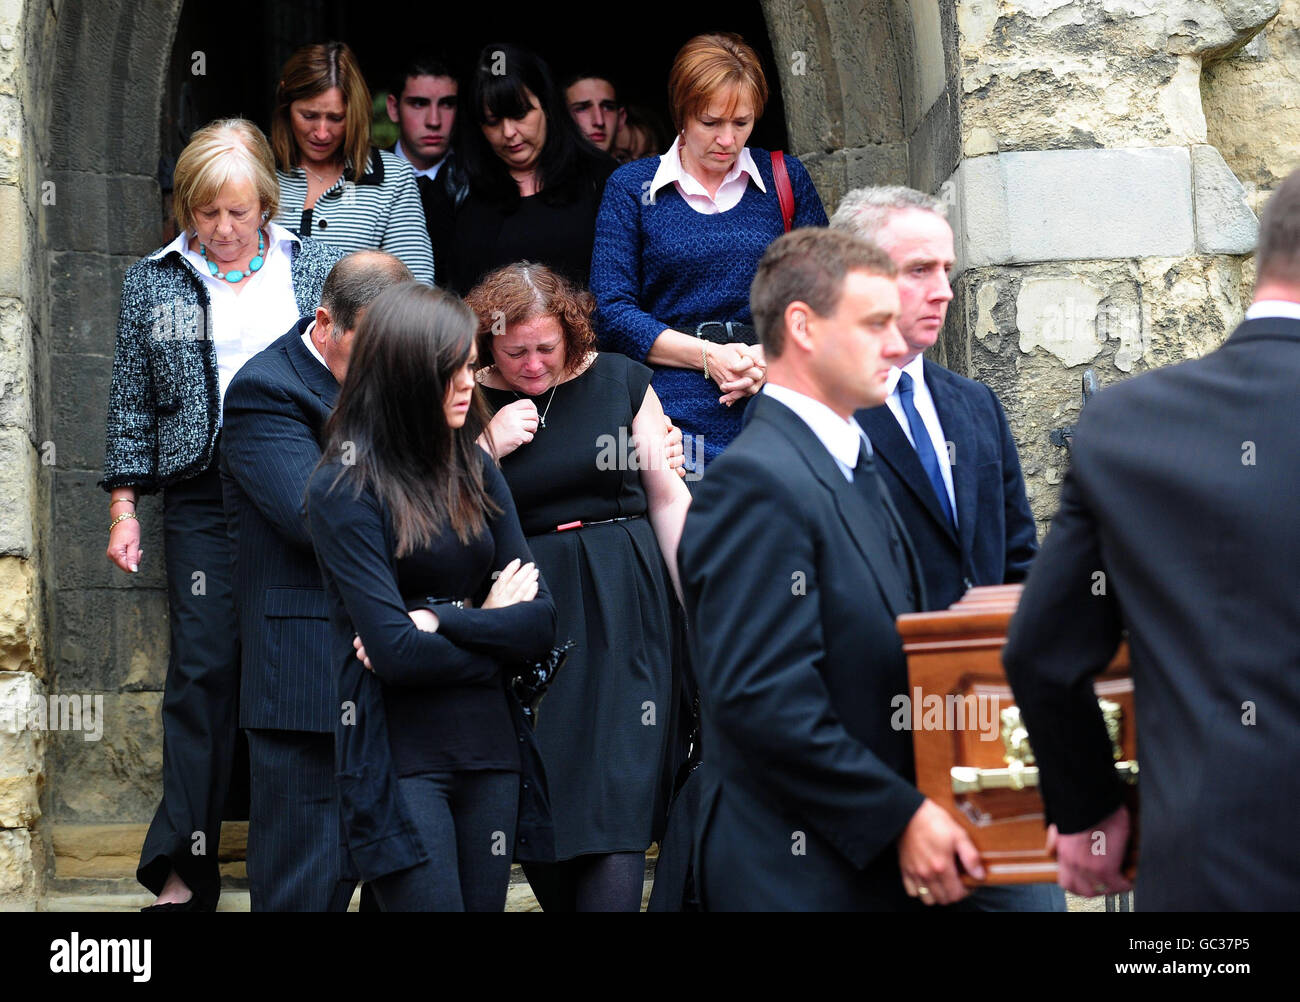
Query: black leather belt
726	332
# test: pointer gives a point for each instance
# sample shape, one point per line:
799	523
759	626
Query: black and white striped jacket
380	210
165	402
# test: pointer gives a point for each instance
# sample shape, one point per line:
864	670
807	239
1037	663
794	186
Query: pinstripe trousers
293	830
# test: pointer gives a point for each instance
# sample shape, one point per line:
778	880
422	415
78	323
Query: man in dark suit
1179	522
957	484
946	451
275	409
794	566
422	103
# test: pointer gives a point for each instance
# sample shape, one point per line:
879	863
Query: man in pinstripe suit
275	410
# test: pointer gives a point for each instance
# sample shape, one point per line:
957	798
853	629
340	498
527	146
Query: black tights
604	882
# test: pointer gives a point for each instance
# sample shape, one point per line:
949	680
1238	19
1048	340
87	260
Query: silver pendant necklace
321	178
549	401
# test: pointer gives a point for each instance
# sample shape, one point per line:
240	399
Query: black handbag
529	680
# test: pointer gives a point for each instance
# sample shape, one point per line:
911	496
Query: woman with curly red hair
580	438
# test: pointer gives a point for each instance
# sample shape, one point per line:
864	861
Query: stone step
94	871
113	850
127	896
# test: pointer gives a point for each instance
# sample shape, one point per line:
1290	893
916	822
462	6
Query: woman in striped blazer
334	186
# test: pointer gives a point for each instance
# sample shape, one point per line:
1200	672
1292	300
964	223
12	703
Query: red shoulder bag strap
784	193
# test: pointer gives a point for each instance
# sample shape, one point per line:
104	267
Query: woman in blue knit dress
678	240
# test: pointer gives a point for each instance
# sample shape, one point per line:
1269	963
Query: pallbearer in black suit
275	411
794	566
947	455
1180	523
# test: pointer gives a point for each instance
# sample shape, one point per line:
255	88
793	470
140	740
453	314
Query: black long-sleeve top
443	692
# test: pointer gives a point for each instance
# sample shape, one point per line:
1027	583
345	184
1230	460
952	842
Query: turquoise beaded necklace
235	275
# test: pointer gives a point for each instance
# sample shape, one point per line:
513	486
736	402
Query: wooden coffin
973	756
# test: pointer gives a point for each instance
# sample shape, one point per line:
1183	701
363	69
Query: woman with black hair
535	182
406	511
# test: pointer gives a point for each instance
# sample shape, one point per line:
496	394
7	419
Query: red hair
710	65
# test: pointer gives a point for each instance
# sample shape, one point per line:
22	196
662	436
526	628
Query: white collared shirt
840	437
924	404
429	172
1274	308
730	192
245	322
310	345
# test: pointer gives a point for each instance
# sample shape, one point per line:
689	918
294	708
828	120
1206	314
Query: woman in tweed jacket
192	313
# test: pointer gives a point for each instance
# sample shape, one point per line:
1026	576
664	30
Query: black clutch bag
529	680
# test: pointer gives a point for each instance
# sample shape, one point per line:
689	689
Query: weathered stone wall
27	452
869	94
110	628
1095	225
1252	105
1030	332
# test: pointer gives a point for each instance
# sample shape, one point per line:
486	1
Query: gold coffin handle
966	779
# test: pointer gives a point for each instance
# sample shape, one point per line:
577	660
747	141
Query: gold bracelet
704	354
122	501
120	518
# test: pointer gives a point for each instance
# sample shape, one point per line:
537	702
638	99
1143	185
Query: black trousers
466	822
200	701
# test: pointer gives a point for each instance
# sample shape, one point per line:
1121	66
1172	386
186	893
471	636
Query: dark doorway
240	67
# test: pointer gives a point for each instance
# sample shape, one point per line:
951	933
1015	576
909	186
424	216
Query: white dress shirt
924	404
1274	308
730	192
310	345
840	437
245	322
429	172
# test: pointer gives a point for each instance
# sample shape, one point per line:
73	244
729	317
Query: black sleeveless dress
604	724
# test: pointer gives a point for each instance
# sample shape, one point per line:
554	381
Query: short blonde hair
708	65
310	72
230	149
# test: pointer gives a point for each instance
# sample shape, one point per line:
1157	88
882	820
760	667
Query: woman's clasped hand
738	369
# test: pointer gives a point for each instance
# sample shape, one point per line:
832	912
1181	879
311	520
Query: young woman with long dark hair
406	511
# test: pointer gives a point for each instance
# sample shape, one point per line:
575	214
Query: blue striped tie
924	447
